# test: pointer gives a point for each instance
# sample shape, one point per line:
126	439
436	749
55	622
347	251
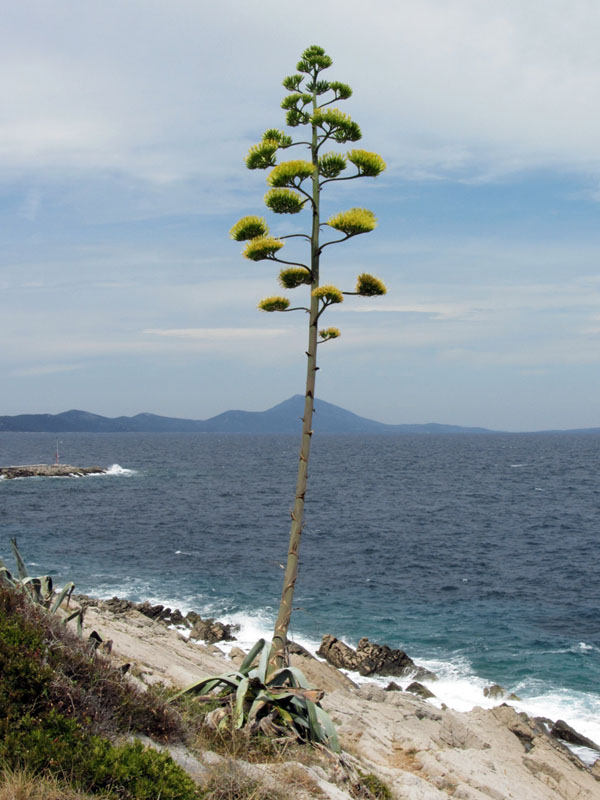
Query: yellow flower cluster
370	164
262	247
354	221
328	293
288	172
274	304
249	228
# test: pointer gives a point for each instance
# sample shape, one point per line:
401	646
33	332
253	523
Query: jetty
49	471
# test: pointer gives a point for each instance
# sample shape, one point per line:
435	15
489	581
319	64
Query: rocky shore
49	471
420	751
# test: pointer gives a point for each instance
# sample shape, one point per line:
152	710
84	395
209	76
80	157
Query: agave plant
277	702
39	589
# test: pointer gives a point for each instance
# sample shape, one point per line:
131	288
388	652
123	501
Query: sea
477	554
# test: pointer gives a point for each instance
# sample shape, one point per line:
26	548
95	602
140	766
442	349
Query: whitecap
117	469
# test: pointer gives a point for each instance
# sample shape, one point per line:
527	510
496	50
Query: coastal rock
337	653
392	687
211	631
370	658
561	730
49	471
118	605
420	690
497	692
382	660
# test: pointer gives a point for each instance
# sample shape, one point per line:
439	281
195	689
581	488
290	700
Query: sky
123	132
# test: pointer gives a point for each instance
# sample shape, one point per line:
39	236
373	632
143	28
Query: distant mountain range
282	418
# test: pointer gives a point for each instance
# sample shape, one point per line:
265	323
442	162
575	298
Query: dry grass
229	781
20	785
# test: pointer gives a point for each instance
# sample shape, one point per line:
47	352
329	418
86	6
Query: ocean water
477	554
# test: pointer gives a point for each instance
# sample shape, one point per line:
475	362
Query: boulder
561	730
212	631
117	605
392	687
370	658
337	653
420	690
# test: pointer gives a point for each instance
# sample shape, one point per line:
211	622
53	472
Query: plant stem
278	654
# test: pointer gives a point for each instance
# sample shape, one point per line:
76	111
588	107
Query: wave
117	469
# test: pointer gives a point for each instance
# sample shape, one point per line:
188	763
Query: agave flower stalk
296	187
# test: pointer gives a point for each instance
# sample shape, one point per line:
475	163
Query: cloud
44	369
219	334
458	89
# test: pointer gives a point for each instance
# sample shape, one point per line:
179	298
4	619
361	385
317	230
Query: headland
49	471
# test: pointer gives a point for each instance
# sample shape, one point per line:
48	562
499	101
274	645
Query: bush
56	694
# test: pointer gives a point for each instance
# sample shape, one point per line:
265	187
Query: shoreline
420	750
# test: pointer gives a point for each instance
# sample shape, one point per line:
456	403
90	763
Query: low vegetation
63	709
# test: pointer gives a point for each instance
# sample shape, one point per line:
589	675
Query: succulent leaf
329	294
21	568
249	228
370	164
292	277
262	247
354	221
274	304
288	172
284	201
369	286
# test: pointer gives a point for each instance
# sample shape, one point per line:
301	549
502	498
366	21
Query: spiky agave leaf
21	568
337	124
288	172
354	221
66	591
370	286
293	277
284	201
205	685
262	155
249	228
331	164
249	660
370	164
6	578
329	333
329	294
274	304
262	247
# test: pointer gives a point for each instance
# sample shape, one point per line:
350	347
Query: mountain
282	418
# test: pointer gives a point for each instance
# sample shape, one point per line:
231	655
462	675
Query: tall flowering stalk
296	186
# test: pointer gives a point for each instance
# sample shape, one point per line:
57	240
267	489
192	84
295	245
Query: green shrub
55	694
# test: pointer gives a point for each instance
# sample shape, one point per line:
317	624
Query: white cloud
44	369
468	88
219	334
